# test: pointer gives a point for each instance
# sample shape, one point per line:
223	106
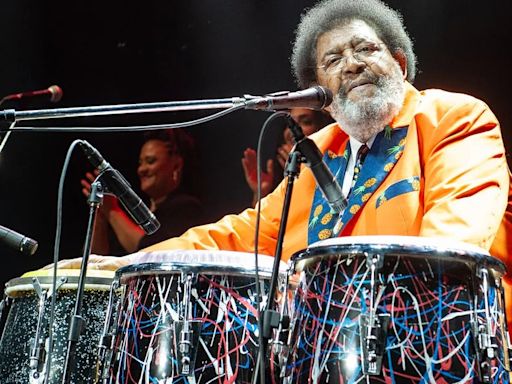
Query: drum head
412	246
199	261
95	279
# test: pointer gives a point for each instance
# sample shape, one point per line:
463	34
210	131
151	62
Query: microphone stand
12	115
271	319
316	98
77	323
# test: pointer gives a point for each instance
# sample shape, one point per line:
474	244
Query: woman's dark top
177	213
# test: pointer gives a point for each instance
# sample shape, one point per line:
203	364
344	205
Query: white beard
368	117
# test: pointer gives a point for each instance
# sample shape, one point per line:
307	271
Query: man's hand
108	263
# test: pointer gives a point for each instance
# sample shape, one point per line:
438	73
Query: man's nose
353	66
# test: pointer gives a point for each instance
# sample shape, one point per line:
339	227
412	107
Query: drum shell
432	298
151	305
21	320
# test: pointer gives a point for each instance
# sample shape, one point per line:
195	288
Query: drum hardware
187	329
106	344
373	327
280	346
505	335
39	349
4	303
373	339
508	351
486	338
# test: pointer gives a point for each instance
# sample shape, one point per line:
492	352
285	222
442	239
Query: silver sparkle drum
24	343
185	317
397	310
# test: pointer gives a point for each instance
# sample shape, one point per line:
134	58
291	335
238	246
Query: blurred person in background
310	121
167	163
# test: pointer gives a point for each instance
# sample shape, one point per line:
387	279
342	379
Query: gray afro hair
329	14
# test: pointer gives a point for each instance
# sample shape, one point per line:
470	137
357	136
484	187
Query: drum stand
77	323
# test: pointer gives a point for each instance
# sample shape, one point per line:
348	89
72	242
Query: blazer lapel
321	218
384	153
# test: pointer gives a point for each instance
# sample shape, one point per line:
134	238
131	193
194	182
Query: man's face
355	79
366	80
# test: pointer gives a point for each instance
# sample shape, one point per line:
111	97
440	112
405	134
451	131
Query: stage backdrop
112	52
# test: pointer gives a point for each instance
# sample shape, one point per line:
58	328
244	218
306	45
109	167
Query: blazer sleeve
466	180
234	232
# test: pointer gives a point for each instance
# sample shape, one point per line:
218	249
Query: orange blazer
453	151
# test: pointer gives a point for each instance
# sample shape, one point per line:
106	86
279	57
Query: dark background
113	52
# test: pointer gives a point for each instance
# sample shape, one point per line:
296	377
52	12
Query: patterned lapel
385	152
321	218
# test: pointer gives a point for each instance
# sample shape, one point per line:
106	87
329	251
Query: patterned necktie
361	155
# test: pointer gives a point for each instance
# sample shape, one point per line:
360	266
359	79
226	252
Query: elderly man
434	164
434	161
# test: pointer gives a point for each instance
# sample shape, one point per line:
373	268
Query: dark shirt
177	213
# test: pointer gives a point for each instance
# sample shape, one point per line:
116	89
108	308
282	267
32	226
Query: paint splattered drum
397	310
363	309
191	318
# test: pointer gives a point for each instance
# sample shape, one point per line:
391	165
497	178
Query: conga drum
376	309
24	343
186	317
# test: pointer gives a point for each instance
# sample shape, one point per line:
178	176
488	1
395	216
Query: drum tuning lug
280	345
41	293
485	372
188	331
374	259
373	334
3	304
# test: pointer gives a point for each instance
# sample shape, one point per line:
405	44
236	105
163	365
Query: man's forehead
350	33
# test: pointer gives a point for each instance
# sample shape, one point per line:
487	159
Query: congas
397	310
186	317
24	344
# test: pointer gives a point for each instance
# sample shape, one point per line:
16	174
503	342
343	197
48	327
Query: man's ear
400	57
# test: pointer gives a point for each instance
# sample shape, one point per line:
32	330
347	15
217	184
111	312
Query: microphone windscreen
56	93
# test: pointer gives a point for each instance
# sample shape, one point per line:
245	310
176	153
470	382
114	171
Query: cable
261	353
133	128
58	230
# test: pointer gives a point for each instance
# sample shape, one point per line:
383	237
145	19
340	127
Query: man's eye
366	49
332	61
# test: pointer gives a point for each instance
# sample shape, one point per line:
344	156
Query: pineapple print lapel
384	153
321	218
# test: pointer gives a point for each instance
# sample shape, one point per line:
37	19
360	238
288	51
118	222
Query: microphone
18	241
324	178
54	92
117	184
312	98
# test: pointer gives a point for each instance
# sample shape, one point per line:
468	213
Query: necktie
361	155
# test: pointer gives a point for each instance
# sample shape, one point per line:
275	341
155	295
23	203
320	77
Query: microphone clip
95	198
